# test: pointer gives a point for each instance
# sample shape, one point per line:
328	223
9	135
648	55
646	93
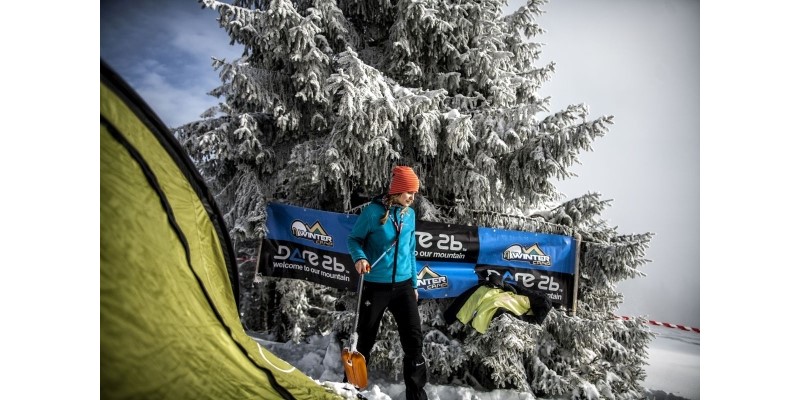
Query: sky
674	370
640	62
163	49
636	60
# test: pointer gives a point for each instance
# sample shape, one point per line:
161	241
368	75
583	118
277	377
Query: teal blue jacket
369	239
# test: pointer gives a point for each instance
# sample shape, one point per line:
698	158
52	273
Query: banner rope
534	219
666	324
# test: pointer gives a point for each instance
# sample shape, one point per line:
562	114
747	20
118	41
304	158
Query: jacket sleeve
358	235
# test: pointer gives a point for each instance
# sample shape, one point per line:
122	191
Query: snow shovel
355	365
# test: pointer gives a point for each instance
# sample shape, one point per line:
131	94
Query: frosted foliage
328	96
387	354
449	88
307	308
294	304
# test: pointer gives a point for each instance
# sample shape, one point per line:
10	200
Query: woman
389	222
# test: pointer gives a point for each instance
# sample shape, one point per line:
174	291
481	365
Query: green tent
169	322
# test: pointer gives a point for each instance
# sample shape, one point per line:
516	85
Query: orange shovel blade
355	368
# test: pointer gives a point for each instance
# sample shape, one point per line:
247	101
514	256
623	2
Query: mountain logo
506	275
315	233
428	279
532	254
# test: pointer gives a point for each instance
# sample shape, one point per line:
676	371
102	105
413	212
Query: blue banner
311	245
446	259
542	262
308	244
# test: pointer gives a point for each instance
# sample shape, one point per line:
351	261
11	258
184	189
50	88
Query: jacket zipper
397	249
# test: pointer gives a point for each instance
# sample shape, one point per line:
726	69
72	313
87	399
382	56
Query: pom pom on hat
403	180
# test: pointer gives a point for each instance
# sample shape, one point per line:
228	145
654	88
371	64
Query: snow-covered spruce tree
329	95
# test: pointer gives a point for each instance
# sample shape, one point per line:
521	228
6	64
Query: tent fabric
169	321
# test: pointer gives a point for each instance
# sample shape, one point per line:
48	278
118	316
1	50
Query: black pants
401	301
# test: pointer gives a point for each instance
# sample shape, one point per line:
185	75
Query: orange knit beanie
403	180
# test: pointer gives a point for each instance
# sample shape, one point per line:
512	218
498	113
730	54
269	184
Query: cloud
197	40
175	105
164	50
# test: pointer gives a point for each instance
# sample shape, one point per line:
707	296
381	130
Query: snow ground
674	367
673	372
